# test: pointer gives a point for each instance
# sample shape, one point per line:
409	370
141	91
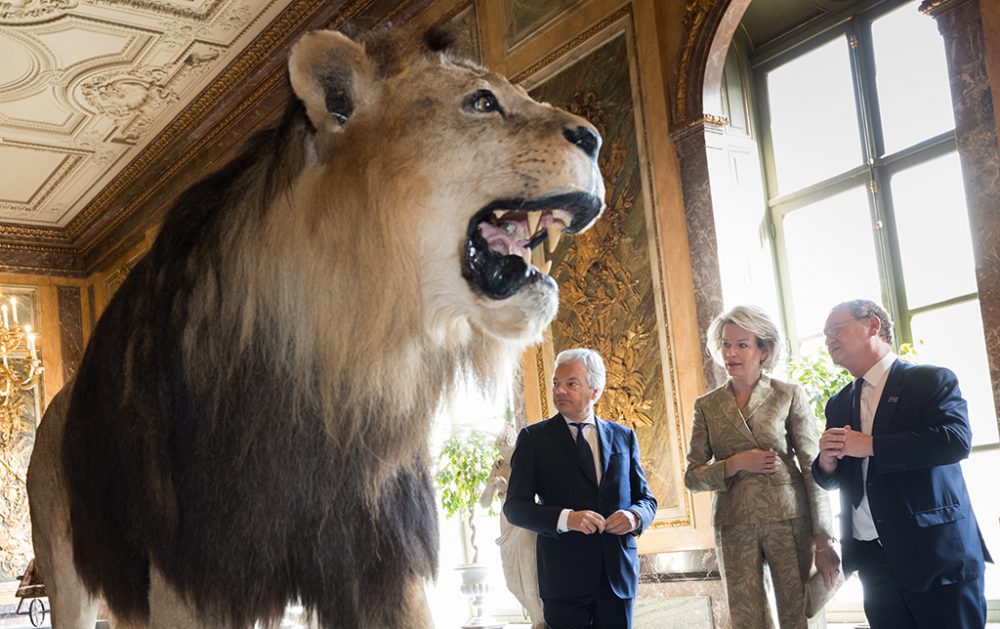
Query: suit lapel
733	411
563	436
761	391
605	435
887	404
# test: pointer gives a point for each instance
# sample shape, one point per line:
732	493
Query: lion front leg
73	607
415	612
169	609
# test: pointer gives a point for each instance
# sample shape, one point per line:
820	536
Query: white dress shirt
590	434
872	385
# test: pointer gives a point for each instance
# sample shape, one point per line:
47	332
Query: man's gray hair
753	320
862	309
592	361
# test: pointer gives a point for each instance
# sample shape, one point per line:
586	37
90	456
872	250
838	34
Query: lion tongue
500	241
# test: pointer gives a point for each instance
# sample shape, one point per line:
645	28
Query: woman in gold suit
752	443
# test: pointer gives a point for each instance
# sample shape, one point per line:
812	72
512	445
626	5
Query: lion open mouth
500	237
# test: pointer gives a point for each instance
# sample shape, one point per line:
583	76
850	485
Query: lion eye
483	102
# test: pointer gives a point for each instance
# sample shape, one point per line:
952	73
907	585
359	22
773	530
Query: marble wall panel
674	612
960	23
704	249
70	329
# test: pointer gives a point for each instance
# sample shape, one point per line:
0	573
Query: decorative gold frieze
543	386
695	12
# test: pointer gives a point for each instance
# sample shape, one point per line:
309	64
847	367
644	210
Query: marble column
70	329
960	23
689	142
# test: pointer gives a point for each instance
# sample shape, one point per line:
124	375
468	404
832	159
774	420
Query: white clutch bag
817	592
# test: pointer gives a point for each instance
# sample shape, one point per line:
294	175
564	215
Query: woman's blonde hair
753	320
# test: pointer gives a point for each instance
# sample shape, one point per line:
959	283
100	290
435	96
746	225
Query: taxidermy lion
248	424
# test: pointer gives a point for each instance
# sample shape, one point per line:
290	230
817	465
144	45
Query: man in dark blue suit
893	444
592	502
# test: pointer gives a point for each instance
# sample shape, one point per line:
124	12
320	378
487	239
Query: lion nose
584	137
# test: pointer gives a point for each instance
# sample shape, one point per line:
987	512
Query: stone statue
517	545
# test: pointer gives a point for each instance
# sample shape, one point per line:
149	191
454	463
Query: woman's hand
756	461
827	560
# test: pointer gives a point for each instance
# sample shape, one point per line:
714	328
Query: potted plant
821	379
464	466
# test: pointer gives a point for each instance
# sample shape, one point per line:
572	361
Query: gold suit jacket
780	419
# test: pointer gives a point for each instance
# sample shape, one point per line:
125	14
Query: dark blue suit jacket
546	464
915	487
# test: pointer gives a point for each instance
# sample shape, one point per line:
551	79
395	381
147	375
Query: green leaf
464	465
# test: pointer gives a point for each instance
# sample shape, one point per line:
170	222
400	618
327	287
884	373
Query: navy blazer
546	464
916	490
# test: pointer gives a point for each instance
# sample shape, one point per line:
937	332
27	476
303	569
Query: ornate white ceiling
86	85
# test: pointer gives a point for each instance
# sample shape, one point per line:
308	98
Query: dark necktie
586	454
857	482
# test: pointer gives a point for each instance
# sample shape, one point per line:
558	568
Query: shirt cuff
562	526
632	517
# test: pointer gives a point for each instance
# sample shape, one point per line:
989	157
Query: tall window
865	189
865	199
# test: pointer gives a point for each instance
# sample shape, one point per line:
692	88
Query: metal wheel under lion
31	587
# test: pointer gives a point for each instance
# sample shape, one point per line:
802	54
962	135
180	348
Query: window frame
854	24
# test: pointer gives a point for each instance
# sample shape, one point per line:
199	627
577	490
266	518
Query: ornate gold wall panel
611	294
17	436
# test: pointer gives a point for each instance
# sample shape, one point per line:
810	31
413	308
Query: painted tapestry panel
606	279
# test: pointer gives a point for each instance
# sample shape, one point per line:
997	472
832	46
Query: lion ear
333	77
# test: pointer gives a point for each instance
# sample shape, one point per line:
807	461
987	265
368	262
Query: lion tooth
499	213
563	215
534	218
547	267
555	233
526	255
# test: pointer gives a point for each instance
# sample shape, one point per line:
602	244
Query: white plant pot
475	586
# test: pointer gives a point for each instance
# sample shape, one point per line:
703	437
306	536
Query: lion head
464	170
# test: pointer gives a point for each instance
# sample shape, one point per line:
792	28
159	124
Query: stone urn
475	585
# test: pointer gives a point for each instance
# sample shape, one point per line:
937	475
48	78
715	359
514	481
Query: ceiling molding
245	95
